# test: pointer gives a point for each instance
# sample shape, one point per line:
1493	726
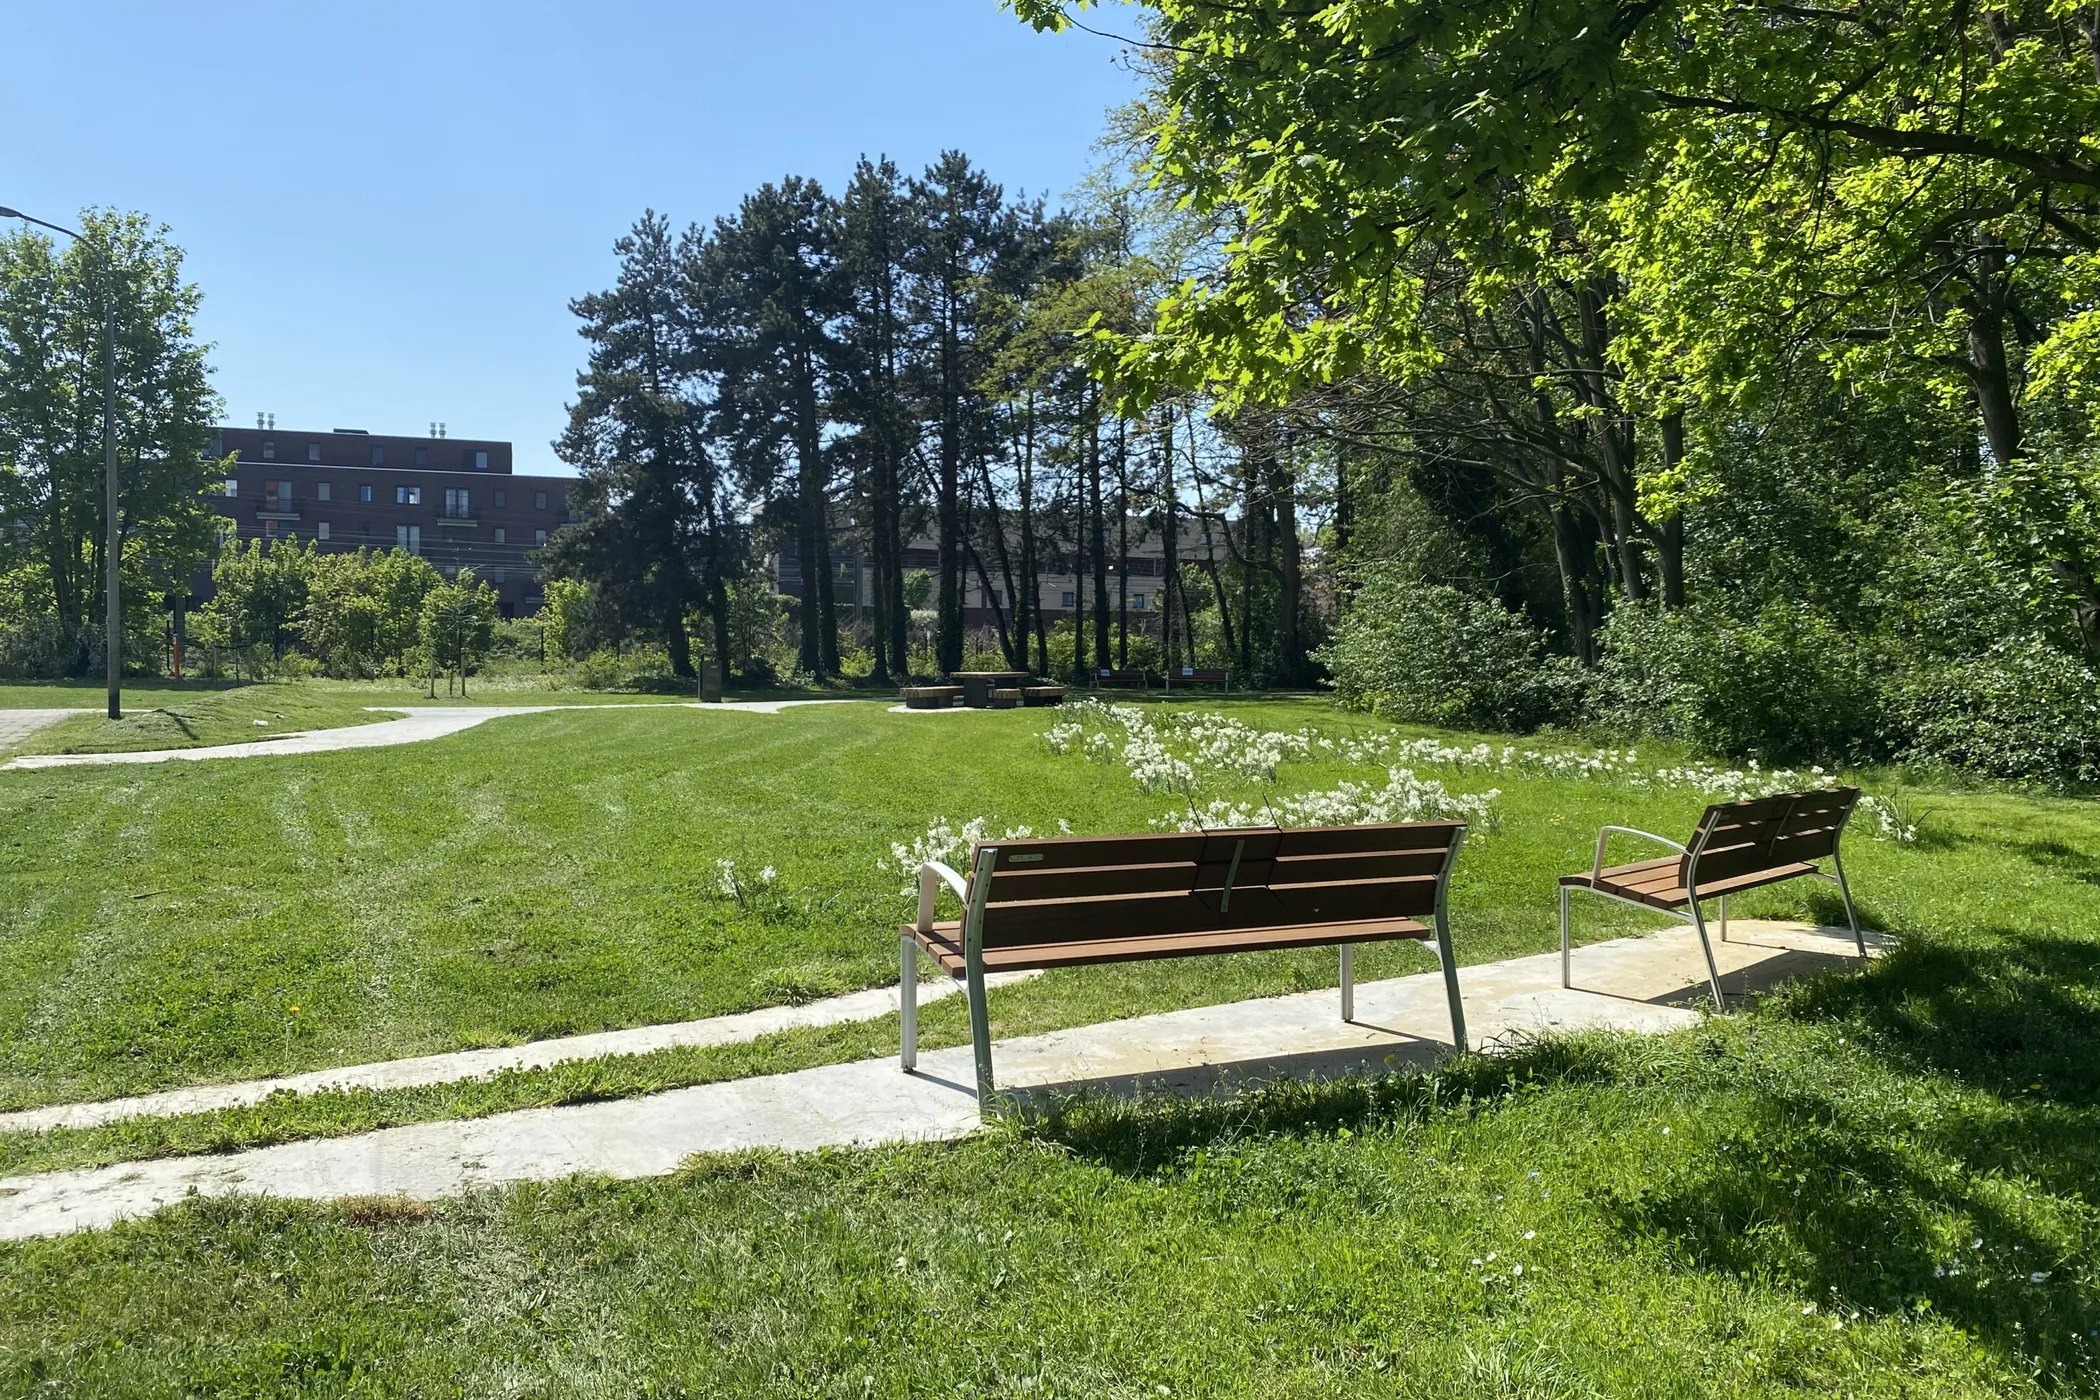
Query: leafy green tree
363	610
260	592
458	626
52	305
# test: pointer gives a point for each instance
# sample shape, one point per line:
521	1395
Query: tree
458	626
52	306
649	490
766	286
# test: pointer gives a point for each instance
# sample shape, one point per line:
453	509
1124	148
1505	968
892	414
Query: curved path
422	722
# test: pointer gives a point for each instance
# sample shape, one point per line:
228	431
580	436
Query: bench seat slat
1658	883
944	944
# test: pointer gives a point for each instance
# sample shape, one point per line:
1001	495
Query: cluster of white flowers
1891	819
1184	751
731	887
951	846
1404	798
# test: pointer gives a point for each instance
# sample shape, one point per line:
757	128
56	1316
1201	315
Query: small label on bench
1024	859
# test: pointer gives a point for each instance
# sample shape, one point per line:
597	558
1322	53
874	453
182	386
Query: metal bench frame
1691	913
974	894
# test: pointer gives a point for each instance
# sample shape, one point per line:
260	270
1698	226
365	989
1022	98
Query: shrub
1786	686
2025	711
1438	655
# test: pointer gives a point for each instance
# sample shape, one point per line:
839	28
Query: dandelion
726	881
768	875
1531	1234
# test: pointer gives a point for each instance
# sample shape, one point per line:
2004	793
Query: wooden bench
1003	698
1077	901
1108	676
930	697
1035	696
1738	846
1200	675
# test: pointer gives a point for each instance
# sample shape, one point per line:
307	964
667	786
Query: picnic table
979	685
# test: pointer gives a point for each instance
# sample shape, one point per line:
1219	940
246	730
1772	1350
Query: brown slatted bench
1738	846
1200	675
1078	901
1108	676
931	697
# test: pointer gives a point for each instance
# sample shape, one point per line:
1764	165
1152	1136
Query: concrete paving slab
452	1067
17	725
420	724
1641	985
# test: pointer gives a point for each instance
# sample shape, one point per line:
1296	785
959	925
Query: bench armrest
1603	835
932	875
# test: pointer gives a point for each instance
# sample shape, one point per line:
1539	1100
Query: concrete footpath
455	1066
421	723
17	725
1643	985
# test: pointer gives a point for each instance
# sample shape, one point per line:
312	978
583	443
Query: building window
502	498
364	493
277	495
539	536
230	488
409	537
499	528
379	456
269	452
496	574
321	530
539	500
1137	602
456	507
269	529
422	456
1067	600
408	495
313	452
321	491
479	461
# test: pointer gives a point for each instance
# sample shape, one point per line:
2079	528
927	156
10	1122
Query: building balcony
268	512
449	520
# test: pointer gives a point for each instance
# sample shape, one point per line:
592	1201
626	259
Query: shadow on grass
1918	1140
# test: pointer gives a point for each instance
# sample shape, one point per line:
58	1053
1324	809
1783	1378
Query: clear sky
388	205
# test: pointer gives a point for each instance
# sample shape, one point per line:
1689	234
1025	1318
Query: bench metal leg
1724	918
908	1005
1458	1006
1713	970
980	1024
1348	981
1566	975
1851	915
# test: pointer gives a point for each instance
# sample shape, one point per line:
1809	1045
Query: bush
1438	655
2025	711
1787	686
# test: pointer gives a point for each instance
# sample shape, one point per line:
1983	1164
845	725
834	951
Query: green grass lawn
167	716
1871	1185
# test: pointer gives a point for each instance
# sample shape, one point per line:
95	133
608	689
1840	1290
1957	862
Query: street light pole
112	549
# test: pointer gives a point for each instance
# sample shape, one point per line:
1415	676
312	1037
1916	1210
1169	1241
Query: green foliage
260	591
458	625
363	611
2024	710
1434	654
52	342
1787	686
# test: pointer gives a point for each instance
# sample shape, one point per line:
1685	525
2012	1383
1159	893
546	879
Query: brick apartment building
455	501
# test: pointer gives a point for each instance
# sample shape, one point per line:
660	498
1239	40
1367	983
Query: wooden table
979	685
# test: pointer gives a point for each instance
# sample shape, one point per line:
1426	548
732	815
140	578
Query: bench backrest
1073	888
1743	838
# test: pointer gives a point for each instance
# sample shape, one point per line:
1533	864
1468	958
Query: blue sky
389	205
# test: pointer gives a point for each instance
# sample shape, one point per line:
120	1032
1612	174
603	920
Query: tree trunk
1669	544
